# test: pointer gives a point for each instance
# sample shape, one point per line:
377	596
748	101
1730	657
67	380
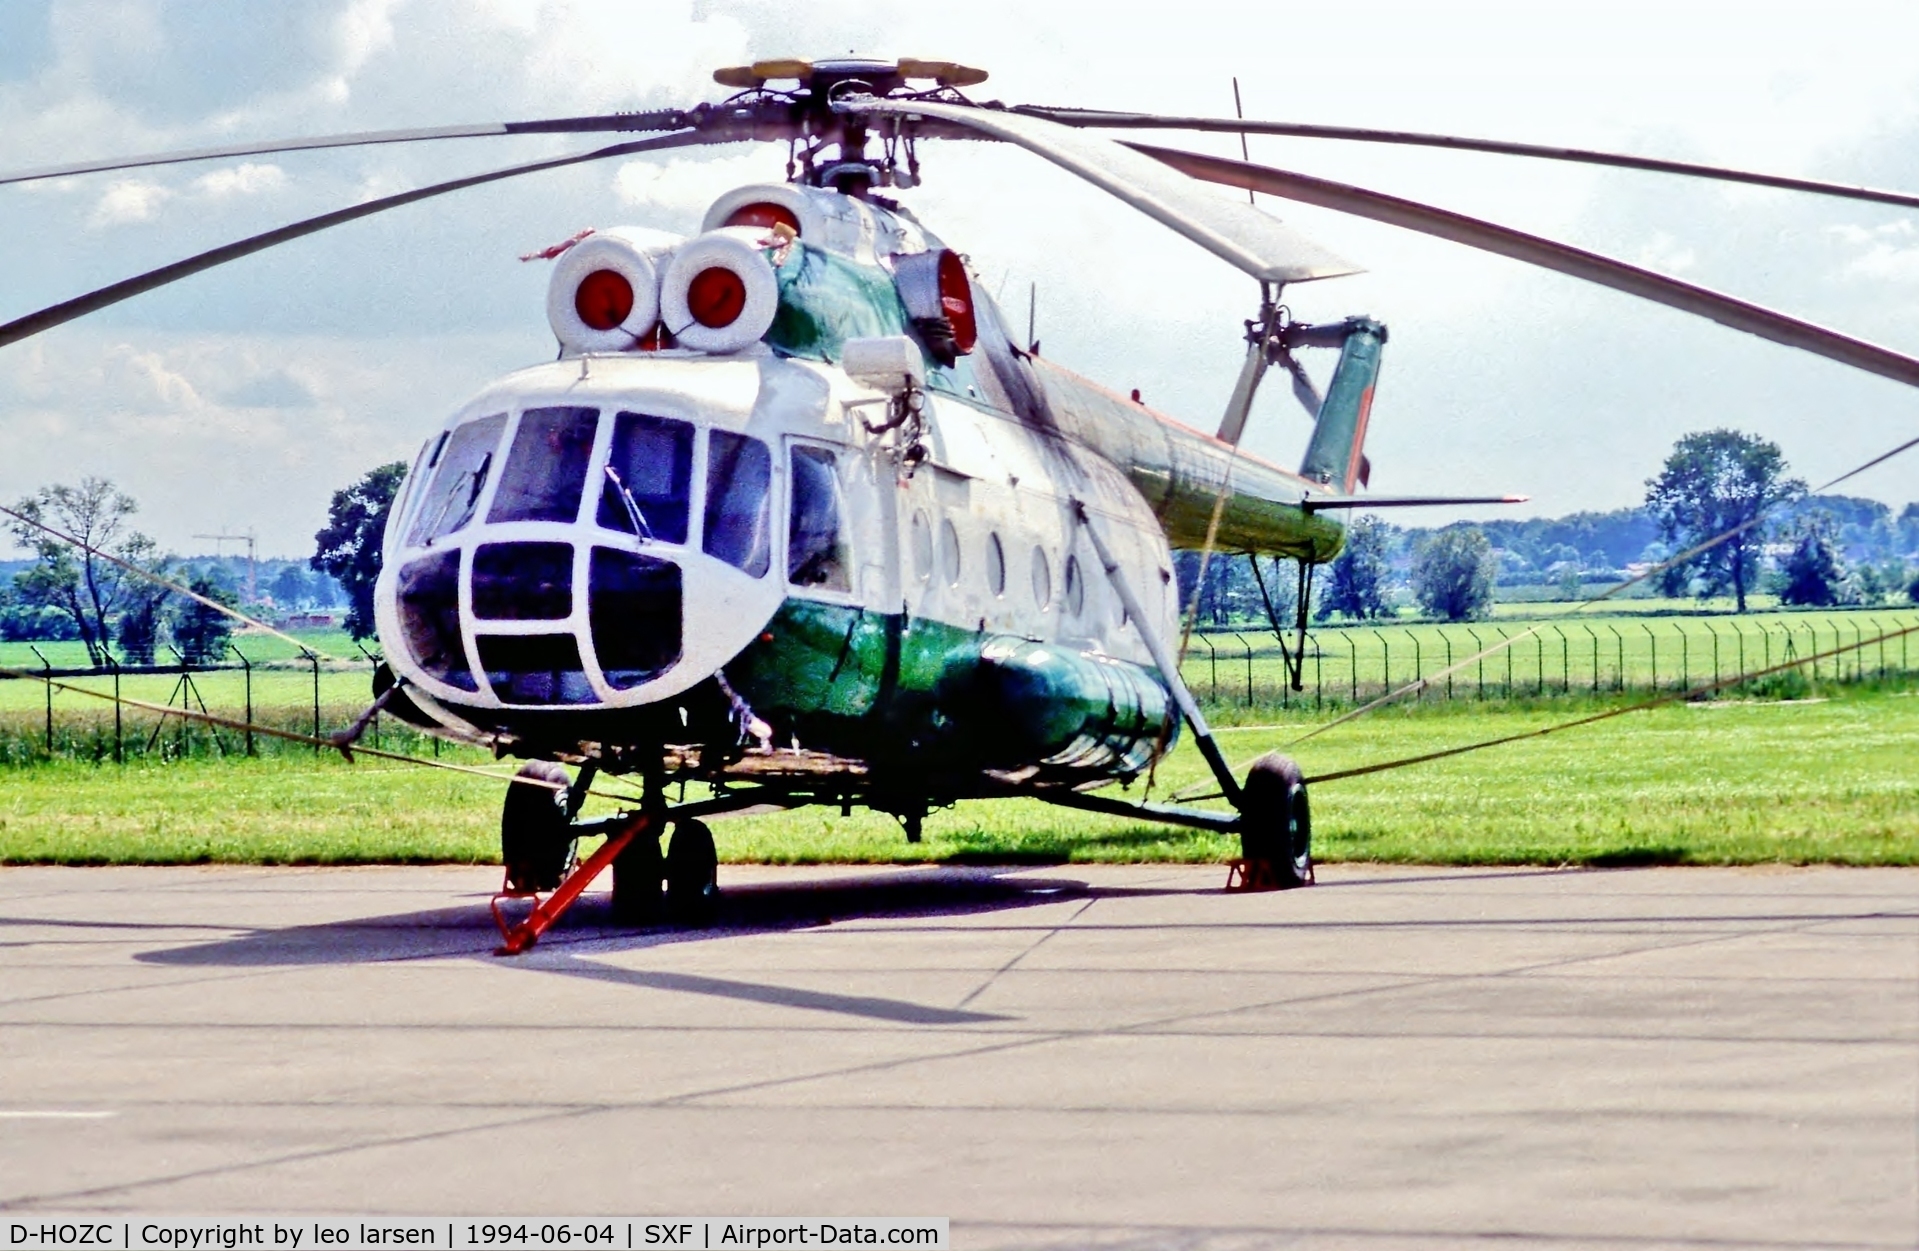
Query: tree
79	582
1713	483
1453	573
200	632
1812	573
1357	585
349	547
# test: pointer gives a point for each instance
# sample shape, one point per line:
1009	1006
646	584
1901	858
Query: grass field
1829	779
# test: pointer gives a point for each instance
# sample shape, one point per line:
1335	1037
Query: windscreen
546	471
464	467
648	480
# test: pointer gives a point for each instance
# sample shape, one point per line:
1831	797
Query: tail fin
1336	455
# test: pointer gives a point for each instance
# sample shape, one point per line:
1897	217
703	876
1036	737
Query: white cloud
243	179
129	200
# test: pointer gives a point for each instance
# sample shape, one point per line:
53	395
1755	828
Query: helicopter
793	514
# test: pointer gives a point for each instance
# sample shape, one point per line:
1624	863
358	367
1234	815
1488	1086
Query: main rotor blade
663	119
1238	233
93	301
1589	266
1097	118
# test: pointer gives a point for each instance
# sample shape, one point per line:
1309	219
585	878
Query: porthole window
1075	587
922	539
995	565
949	553
1042	579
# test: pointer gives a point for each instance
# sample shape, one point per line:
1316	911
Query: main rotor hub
820	85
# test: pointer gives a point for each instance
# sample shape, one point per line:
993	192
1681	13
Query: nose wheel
536	836
692	874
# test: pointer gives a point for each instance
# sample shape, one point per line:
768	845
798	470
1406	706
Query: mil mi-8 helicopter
792	512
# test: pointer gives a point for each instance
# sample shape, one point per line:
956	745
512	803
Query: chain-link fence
1560	658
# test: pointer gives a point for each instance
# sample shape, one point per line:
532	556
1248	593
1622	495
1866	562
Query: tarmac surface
1069	1056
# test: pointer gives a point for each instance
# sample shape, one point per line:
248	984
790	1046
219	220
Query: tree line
1814	550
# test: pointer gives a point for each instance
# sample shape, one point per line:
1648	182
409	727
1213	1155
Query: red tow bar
521	937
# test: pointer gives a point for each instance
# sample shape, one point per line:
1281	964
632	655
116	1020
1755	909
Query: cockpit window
648	478
465	464
546	470
739	523
816	552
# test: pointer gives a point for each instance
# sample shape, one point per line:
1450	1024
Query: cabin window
995	565
464	467
949	552
546	470
922	545
523	581
535	669
1042	580
739	521
646	487
1075	587
816	554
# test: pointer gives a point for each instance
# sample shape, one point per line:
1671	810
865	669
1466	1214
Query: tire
692	875
536	839
1277	821
637	873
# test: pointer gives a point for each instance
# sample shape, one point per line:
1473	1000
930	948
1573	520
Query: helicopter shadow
466	931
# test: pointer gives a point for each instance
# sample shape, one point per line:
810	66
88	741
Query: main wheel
637	873
692	874
1277	822
536	839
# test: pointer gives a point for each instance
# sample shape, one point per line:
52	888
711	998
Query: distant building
319	619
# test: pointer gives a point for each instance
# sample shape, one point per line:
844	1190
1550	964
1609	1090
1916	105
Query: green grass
1731	782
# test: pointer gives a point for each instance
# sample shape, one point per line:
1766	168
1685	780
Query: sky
241	399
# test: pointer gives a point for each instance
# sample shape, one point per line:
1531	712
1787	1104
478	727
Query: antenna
252	541
1244	155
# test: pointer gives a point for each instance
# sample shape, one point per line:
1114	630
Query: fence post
1565	663
314	660
1212	656
1385	662
119	749
1352	659
1447	640
1319	676
1619	660
1685	656
1419	667
1652	641
246	665
1478	646
48	679
1249	667
1715	652
1595	638
1505	638
1539	662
